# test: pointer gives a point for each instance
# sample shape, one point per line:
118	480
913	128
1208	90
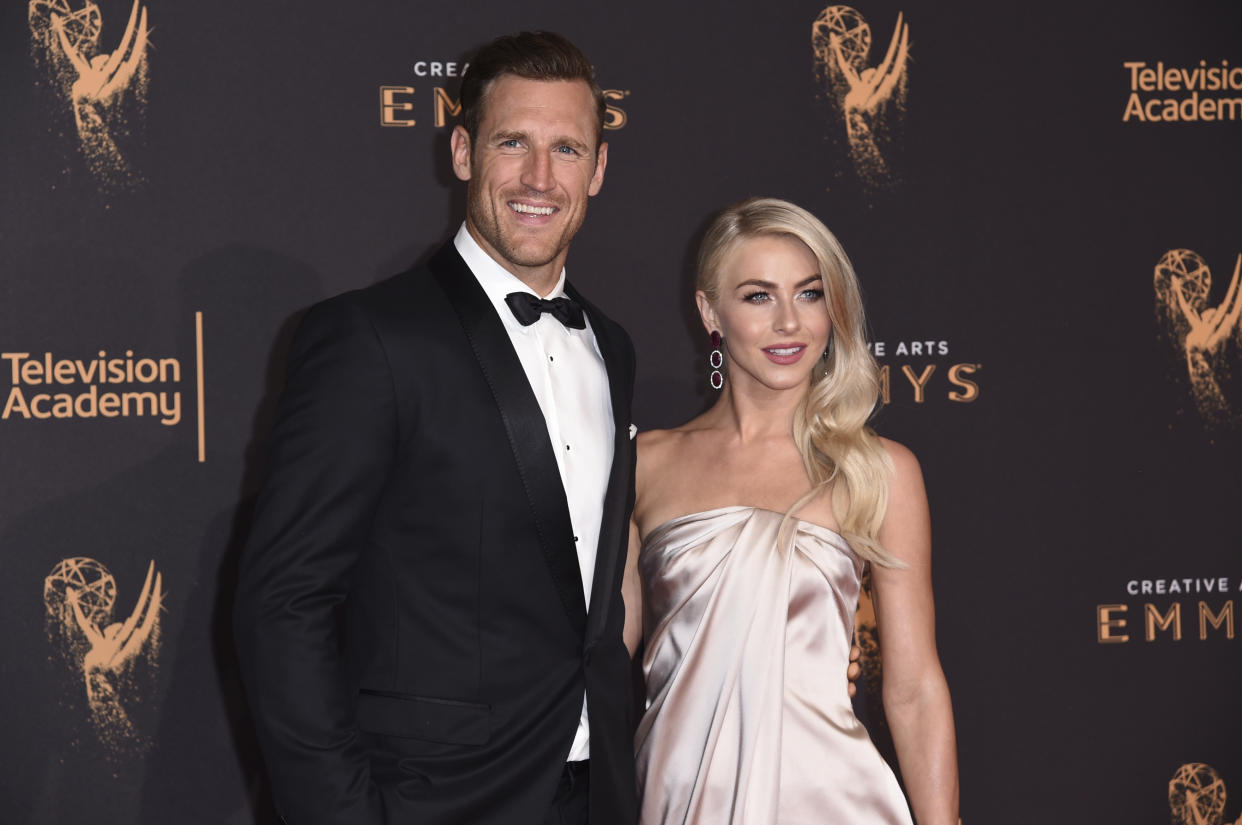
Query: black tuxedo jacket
410	617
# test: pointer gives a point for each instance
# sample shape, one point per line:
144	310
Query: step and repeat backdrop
1045	209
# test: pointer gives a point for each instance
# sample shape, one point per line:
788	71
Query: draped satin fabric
747	640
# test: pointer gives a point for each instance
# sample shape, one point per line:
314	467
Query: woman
751	529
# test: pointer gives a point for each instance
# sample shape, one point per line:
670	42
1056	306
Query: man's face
530	172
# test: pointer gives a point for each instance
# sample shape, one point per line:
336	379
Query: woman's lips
785	354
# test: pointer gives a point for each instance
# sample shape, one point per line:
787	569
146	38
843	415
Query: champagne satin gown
749	721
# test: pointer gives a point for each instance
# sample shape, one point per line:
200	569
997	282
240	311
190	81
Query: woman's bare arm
916	695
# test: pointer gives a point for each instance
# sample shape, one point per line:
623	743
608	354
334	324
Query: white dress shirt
567	373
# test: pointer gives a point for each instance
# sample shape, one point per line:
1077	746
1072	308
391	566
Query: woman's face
771	313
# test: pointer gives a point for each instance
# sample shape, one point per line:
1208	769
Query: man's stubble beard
488	222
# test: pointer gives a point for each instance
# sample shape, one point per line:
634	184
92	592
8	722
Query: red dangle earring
716	359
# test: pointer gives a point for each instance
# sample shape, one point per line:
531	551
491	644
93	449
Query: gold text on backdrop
397	107
45	386
958	381
1113	622
1179	94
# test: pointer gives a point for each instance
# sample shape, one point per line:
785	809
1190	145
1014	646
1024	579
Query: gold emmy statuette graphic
870	99
79	595
1197	796
1210	338
105	89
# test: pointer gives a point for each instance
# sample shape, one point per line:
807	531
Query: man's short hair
532	55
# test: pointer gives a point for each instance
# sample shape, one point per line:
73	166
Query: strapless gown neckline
698	515
748	629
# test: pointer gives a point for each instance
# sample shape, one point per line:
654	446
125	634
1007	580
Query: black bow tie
527	308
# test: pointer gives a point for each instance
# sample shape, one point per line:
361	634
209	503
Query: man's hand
854	669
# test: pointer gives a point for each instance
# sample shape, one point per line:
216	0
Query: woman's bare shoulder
648	440
656	444
904	461
664	456
907	494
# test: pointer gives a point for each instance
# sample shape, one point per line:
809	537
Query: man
451	474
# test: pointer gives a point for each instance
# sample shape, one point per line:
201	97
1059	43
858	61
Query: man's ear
597	178
459	143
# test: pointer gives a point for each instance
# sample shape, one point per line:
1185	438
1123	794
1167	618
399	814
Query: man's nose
537	172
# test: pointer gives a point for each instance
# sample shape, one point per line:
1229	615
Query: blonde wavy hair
840	452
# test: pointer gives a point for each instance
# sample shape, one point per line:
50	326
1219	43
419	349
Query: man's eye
567	150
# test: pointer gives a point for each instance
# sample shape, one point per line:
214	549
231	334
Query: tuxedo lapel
524	424
614	525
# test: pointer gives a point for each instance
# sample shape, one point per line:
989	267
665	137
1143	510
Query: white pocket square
633	432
